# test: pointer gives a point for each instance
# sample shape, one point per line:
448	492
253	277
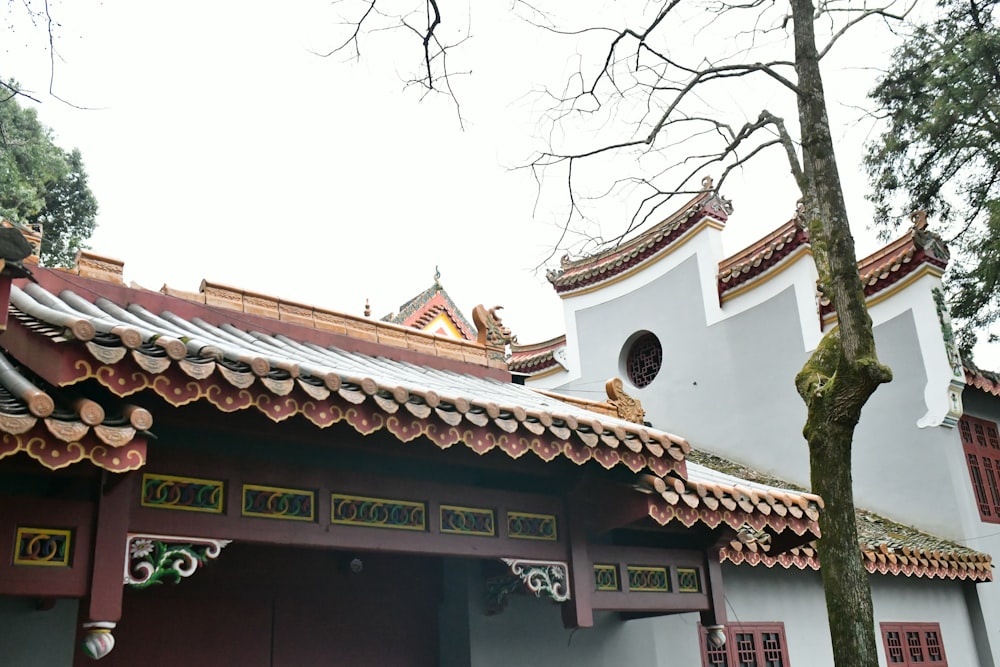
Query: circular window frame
641	359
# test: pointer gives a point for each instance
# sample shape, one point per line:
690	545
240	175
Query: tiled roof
712	497
132	340
423	309
886	547
886	267
60	427
758	258
988	381
535	358
575	275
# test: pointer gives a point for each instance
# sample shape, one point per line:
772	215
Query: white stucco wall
529	632
31	637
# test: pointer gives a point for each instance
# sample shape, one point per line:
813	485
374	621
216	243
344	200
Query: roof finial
706	183
368	308
437	276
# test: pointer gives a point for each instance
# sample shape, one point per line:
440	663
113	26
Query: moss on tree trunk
843	372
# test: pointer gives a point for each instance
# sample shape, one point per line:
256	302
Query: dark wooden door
268	607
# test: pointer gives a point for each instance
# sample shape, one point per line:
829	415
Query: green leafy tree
940	148
40	183
69	216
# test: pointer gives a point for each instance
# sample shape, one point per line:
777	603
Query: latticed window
644	359
748	645
916	644
981	443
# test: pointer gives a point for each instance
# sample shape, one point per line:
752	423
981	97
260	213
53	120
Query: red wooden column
714	619
107	579
578	611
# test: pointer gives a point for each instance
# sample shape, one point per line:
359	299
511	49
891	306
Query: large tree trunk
843	372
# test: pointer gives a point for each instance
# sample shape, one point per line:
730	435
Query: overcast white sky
220	147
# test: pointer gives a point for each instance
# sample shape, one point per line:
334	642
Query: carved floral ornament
539	577
151	559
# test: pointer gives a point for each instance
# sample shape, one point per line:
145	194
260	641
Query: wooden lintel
109	550
609	505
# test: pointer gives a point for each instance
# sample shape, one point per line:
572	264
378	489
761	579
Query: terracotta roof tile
599	267
892	263
420	311
186	358
758	258
535	358
886	547
59	427
988	381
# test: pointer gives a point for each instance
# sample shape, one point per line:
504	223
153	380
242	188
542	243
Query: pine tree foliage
940	149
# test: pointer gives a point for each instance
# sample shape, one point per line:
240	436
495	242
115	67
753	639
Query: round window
644	358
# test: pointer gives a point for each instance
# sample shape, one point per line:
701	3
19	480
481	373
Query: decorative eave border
760	258
587	273
365	405
932	565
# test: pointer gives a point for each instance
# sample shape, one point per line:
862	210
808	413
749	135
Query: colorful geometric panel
183	493
468	520
48	547
378	512
606	577
688	580
647	579
527	526
272	502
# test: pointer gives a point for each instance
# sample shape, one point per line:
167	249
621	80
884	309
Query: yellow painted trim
219	485
442	318
603	567
334	497
46	533
529	515
689	589
875	299
763	278
629	569
551	371
278	489
666	252
461	508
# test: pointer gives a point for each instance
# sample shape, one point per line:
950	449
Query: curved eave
281	377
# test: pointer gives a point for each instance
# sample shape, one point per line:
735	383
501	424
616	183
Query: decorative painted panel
688	580
273	502
468	520
646	579
183	493
528	526
378	512
48	547
606	577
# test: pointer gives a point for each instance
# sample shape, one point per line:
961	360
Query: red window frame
981	444
913	644
747	645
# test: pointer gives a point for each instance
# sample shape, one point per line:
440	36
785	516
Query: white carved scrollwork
542	576
152	559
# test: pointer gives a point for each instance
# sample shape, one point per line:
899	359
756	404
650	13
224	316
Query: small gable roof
434	311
